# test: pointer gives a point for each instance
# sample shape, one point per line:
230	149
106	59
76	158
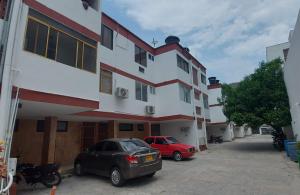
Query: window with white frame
185	93
203	79
184	65
152	90
205	101
141	91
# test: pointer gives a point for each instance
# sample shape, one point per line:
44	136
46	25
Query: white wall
239	132
42	74
291	76
276	51
216	112
75	11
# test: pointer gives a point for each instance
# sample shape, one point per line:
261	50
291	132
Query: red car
170	147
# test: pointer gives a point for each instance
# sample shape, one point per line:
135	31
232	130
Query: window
140	56
197	95
203	79
65	47
105	81
17	123
150	57
152	90
98	147
202	69
198	110
184	65
133	144
140	127
107	37
62	126
195	76
184	93
141	91
142	70
205	101
40	126
125	127
172	140
199	123
285	53
110	147
149	140
160	140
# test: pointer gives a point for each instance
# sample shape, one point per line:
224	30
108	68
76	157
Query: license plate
149	158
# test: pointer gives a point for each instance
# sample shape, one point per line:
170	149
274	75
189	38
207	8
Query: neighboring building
265	130
277	51
291	77
80	81
219	125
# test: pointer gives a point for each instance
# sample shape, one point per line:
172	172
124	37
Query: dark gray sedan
119	159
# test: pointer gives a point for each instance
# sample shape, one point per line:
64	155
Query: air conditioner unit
122	92
150	109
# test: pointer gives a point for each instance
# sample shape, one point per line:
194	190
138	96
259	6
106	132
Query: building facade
277	51
81	77
291	73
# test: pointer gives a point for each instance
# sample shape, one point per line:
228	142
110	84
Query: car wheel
78	169
177	156
151	175
116	177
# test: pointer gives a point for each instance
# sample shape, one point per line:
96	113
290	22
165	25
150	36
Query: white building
218	125
291	75
277	51
82	77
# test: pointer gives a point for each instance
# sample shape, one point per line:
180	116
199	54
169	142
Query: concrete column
48	150
147	127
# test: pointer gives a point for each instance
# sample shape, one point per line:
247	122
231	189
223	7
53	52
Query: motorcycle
217	139
278	139
48	174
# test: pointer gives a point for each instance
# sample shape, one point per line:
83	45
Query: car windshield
172	140
131	145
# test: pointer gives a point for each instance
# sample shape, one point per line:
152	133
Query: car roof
159	136
119	139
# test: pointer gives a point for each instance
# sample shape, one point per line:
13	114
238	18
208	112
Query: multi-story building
291	74
277	51
81	77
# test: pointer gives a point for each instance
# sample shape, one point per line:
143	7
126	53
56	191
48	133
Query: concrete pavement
247	166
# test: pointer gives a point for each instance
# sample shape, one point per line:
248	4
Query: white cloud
232	33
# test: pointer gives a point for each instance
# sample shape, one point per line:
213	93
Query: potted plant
298	152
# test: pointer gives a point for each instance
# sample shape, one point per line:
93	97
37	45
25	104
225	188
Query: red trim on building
214	86
101	114
62	19
114	25
214	105
131	76
37	96
197	91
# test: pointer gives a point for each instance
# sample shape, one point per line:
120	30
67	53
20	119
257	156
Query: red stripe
30	95
62	19
214	86
101	114
131	76
221	123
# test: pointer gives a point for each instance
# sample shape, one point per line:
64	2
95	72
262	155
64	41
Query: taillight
131	159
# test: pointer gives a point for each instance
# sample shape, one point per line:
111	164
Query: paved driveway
245	166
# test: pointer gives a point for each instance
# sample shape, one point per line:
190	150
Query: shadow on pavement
253	147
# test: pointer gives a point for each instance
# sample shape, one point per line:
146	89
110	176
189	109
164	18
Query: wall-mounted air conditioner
122	92
150	109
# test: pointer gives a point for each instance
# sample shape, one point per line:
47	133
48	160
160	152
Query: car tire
78	169
116	177
177	156
151	175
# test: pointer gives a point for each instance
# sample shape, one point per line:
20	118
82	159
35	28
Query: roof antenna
154	42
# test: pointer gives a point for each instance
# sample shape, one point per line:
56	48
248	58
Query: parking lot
245	166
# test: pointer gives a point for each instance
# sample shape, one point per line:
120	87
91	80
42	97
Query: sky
229	37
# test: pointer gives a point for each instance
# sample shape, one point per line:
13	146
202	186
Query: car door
162	145
105	158
93	158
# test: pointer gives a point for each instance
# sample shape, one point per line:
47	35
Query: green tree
261	98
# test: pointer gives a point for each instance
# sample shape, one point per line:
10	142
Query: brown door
88	135
155	130
103	131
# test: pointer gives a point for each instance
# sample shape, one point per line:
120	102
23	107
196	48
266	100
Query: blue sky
228	36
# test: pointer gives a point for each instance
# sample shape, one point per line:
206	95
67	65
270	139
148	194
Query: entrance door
103	131
155	130
88	135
